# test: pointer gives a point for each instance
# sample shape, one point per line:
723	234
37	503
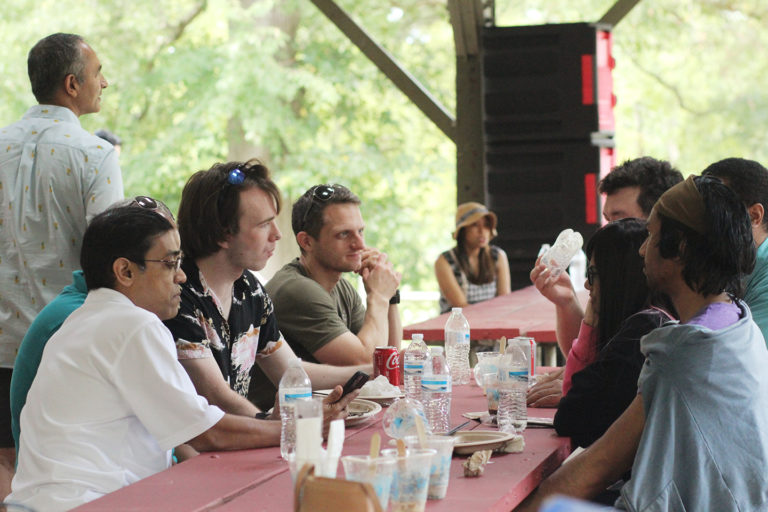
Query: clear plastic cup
487	362
440	470
411	481
400	418
491	387
378	472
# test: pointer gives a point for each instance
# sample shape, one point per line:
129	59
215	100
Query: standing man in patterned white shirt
54	177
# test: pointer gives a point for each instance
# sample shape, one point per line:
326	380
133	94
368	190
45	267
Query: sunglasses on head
320	193
145	202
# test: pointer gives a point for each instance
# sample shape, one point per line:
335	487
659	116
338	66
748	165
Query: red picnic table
523	312
254	480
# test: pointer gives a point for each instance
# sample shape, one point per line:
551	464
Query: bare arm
568	310
395	326
234	432
598	466
206	376
381	282
323	376
503	279
448	284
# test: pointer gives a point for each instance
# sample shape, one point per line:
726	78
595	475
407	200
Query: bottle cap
436	349
417	336
455	310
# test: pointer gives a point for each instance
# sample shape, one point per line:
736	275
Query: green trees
198	81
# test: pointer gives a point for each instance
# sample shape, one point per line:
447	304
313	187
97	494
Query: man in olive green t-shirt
320	314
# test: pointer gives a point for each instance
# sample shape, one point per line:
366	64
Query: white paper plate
470	441
361	410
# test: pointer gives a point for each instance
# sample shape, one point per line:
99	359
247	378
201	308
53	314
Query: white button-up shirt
54	177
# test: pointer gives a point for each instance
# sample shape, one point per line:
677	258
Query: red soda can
387	363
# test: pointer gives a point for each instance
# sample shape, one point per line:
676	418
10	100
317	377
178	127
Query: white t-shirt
109	402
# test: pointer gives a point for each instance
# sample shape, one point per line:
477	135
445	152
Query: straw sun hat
469	213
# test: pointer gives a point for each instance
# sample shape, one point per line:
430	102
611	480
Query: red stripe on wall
590	198
587	80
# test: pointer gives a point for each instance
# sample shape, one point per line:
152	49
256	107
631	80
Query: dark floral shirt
200	330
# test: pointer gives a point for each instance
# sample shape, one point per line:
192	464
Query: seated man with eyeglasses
226	330
48	321
321	314
111	400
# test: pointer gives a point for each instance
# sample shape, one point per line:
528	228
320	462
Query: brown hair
307	213
210	204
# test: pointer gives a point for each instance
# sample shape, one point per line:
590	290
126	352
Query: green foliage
194	81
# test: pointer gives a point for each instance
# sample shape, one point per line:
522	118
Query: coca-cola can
387	363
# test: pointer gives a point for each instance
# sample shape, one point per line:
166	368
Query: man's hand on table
334	409
547	391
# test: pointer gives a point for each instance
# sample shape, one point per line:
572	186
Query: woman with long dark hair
604	362
474	270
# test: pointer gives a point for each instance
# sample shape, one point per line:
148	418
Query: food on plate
379	386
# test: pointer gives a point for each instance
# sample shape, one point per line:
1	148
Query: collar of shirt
63	114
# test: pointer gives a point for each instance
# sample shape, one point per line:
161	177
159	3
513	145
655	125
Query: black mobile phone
356	381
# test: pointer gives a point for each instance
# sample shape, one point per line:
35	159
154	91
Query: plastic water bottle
457	346
513	387
294	385
414	358
559	256
436	391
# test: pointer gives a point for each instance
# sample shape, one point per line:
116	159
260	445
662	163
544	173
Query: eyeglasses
321	193
591	275
172	264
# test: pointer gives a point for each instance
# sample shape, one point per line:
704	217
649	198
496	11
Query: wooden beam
403	80
467	19
617	12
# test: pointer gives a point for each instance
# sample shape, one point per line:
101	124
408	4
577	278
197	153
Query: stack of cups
411	480
440	468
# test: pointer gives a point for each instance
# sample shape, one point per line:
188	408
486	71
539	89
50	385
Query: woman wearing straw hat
474	270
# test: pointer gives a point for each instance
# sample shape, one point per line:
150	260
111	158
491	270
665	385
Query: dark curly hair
653	177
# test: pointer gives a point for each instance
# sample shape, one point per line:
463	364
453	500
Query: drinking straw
420	432
375	445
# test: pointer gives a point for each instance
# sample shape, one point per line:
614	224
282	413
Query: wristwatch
395	298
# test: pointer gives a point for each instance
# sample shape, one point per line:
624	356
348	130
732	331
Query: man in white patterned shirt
54	177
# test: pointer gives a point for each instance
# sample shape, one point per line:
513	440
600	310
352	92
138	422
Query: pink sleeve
581	355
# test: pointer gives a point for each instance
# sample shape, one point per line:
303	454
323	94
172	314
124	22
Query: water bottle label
292	397
463	339
518	374
413	368
436	385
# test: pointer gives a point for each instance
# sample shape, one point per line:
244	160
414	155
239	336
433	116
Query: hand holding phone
356	381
